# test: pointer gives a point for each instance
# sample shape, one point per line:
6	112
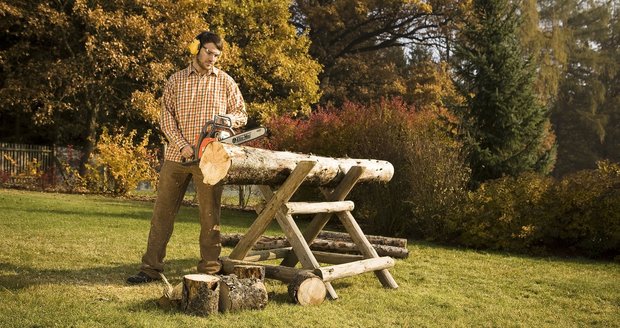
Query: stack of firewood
330	241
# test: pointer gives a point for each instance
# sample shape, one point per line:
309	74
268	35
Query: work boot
140	278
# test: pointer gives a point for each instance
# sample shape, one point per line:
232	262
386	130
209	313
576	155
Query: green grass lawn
64	260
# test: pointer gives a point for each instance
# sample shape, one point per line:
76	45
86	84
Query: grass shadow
25	277
546	257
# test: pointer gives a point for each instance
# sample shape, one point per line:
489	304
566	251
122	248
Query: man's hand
187	152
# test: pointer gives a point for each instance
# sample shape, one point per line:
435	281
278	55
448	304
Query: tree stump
201	294
249	271
307	289
242	294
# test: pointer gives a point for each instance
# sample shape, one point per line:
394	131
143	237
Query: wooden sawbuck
279	175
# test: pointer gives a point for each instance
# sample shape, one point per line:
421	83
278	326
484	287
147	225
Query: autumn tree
544	40
506	127
269	59
361	44
70	68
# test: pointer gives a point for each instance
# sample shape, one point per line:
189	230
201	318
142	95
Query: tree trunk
201	293
90	136
242	294
233	164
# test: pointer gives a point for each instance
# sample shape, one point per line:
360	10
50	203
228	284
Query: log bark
334	272
201	293
269	242
249	271
277	272
256	166
307	289
350	247
265	242
319	207
242	294
375	240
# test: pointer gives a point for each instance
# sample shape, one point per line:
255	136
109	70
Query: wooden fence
30	165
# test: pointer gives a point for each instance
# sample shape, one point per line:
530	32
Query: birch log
255	166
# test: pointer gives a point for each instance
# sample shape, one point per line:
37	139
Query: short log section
242	294
307	289
279	175
249	271
201	293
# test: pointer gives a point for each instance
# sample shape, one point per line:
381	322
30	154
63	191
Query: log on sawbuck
330	241
242	165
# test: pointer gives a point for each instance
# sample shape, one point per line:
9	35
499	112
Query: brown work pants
173	181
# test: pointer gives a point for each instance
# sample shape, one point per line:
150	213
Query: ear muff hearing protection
194	47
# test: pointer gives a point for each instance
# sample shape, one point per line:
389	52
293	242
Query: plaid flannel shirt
190	100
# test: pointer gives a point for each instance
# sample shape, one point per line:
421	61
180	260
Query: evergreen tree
587	108
504	123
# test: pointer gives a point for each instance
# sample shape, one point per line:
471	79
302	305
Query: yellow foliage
146	104
118	164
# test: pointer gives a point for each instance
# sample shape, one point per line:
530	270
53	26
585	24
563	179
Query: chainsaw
220	129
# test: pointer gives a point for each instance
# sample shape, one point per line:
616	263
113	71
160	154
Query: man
191	97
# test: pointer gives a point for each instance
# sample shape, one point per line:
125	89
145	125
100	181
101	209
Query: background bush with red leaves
430	174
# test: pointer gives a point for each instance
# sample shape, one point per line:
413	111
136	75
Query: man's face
207	56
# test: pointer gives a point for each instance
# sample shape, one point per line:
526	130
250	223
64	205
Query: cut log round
201	293
256	166
307	289
249	271
215	162
242	294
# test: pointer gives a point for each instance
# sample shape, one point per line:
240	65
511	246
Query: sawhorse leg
276	207
320	220
300	247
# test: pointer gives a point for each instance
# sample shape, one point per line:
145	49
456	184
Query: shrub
583	212
118	165
429	171
537	214
501	213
